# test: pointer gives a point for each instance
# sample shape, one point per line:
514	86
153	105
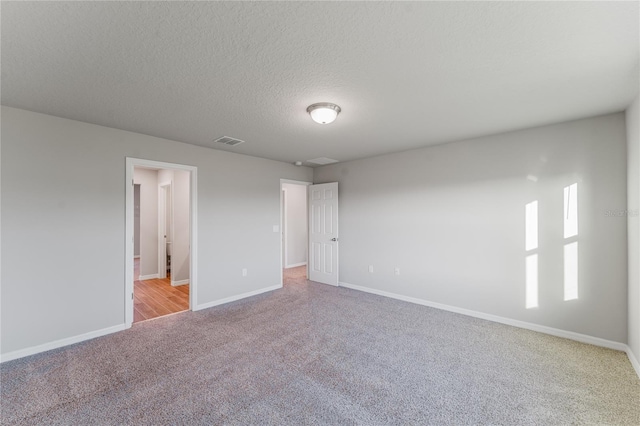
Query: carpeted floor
315	354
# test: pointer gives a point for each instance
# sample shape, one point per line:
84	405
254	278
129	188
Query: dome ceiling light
323	112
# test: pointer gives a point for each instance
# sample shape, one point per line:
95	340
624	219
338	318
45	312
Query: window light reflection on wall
571	210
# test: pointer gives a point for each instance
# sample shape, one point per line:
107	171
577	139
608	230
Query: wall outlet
276	228
244	272
396	271
371	269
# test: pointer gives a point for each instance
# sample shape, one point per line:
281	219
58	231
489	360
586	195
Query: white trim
179	282
283	229
152	164
237	297
296	182
148	277
60	343
193	249
128	234
634	361
295	265
495	318
193	230
163	189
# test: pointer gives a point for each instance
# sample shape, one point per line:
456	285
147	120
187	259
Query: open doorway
161	226
294	228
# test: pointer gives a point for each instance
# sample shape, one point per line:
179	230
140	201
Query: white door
323	233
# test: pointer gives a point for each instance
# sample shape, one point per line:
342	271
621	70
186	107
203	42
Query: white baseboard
295	265
495	318
179	282
60	343
148	277
634	361
236	297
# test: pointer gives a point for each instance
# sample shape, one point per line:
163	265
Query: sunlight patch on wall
571	271
571	245
531	226
571	210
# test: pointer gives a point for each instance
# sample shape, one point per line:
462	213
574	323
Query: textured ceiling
405	74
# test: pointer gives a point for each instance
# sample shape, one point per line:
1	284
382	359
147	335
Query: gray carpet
314	354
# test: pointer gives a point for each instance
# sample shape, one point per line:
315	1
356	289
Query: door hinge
131	296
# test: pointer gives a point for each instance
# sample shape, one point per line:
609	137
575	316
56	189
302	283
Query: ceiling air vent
226	140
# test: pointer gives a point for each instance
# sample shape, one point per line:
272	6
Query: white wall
295	224
451	217
63	210
633	227
180	257
148	181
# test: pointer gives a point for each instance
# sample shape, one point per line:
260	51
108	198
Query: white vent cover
322	161
226	140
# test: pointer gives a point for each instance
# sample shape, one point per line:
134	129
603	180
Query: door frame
163	190
136	234
130	163
282	217
283	225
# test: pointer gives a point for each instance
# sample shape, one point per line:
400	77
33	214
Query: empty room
370	213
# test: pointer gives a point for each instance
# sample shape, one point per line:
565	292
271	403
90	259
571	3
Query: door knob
334	239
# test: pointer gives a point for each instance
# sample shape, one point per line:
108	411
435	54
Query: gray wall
63	227
451	217
633	227
296	223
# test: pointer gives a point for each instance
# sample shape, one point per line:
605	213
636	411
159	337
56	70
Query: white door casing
165	200
282	220
323	233
283	227
193	231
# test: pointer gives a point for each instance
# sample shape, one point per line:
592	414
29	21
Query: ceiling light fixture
323	112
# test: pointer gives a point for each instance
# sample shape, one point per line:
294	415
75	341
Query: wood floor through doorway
157	297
